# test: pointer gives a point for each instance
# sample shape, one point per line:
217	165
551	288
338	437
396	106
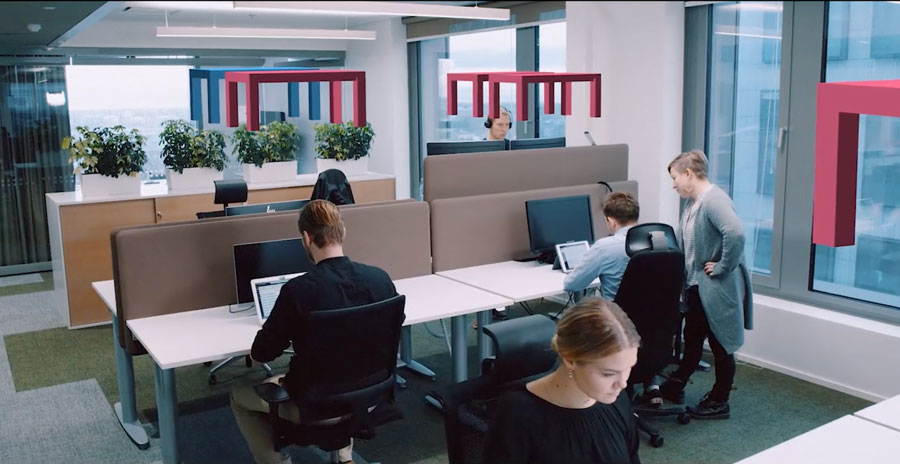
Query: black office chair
332	185
227	191
523	353
650	294
347	359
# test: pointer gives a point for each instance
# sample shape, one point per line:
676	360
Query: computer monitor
267	259
558	220
265	207
477	146
528	144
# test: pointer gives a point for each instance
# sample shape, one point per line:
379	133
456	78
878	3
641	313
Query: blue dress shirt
607	259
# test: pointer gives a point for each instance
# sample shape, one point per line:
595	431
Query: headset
490	122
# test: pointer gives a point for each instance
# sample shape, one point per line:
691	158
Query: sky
127	87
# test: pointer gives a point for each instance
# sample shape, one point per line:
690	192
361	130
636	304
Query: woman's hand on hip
709	267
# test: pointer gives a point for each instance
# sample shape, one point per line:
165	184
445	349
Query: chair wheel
656	441
684	418
208	363
212	379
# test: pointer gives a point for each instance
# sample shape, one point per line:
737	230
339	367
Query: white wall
638	47
387	98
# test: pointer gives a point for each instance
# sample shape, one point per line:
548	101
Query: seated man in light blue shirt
607	258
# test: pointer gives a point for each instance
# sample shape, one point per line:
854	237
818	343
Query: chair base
641	414
247	361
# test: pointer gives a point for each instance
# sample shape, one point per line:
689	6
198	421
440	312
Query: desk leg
167	408
126	408
485	346
406	355
458	343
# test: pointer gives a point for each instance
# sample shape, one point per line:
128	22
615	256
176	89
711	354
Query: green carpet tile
45	284
767	408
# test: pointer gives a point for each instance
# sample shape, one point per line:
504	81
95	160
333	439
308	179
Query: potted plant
193	158
108	160
268	155
343	146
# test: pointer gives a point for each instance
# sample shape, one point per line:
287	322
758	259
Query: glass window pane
552	57
137	97
868	49
745	73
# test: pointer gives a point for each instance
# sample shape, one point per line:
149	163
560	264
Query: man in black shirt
335	282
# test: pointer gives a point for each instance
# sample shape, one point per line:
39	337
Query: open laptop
266	291
570	254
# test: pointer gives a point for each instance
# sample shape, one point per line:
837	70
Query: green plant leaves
184	147
276	141
110	151
343	141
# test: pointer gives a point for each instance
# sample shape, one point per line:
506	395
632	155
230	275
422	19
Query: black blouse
527	429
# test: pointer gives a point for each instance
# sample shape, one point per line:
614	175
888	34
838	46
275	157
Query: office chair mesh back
523	353
348	358
332	185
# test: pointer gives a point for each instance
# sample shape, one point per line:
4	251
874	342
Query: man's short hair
621	206
694	160
321	219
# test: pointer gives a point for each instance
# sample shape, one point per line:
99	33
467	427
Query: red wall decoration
838	107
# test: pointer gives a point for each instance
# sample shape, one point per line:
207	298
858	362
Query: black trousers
696	330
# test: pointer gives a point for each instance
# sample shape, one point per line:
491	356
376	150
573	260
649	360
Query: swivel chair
523	353
227	191
347	359
332	185
650	294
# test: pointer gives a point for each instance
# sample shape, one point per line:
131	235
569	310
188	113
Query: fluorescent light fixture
263	33
174	6
429	10
56	99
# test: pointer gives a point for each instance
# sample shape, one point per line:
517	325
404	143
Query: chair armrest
272	393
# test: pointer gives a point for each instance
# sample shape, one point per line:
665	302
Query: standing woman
578	414
717	285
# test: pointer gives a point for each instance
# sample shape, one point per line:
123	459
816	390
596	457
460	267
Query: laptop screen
268	292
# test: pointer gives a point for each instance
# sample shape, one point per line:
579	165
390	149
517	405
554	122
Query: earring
570	374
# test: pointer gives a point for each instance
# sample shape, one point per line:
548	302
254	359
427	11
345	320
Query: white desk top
845	440
886	413
107	291
512	279
432	297
161	189
193	337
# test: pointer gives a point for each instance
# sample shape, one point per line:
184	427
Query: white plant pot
279	171
357	167
98	185
192	179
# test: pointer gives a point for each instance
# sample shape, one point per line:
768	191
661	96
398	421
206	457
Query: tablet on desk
570	254
266	291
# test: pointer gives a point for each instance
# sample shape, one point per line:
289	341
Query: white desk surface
512	279
845	440
107	291
193	337
432	297
886	413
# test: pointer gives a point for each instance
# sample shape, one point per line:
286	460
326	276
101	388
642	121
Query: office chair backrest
522	349
348	357
650	293
332	185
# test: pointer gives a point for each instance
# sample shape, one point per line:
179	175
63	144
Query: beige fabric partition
484	229
460	175
169	268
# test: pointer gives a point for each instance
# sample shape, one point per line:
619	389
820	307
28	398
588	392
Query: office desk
845	440
173	340
886	413
514	280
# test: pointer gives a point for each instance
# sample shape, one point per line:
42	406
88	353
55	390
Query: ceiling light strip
263	33
381	8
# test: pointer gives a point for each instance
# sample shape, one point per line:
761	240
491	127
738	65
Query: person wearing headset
498	128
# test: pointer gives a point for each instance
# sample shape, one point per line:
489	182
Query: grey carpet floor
74	422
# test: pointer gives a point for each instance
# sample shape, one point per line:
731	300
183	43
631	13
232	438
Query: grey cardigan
727	296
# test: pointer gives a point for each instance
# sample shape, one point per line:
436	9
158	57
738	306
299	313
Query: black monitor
528	144
265	207
267	259
477	146
558	220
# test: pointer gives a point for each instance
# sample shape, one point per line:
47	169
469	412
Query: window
743	107
869	270
137	97
552	57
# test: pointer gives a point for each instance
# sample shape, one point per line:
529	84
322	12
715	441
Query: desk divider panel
485	229
169	268
461	175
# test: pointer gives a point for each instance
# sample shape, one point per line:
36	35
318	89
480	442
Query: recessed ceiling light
263	33
49	8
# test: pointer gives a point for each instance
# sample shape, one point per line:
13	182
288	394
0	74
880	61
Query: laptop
570	254
266	291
